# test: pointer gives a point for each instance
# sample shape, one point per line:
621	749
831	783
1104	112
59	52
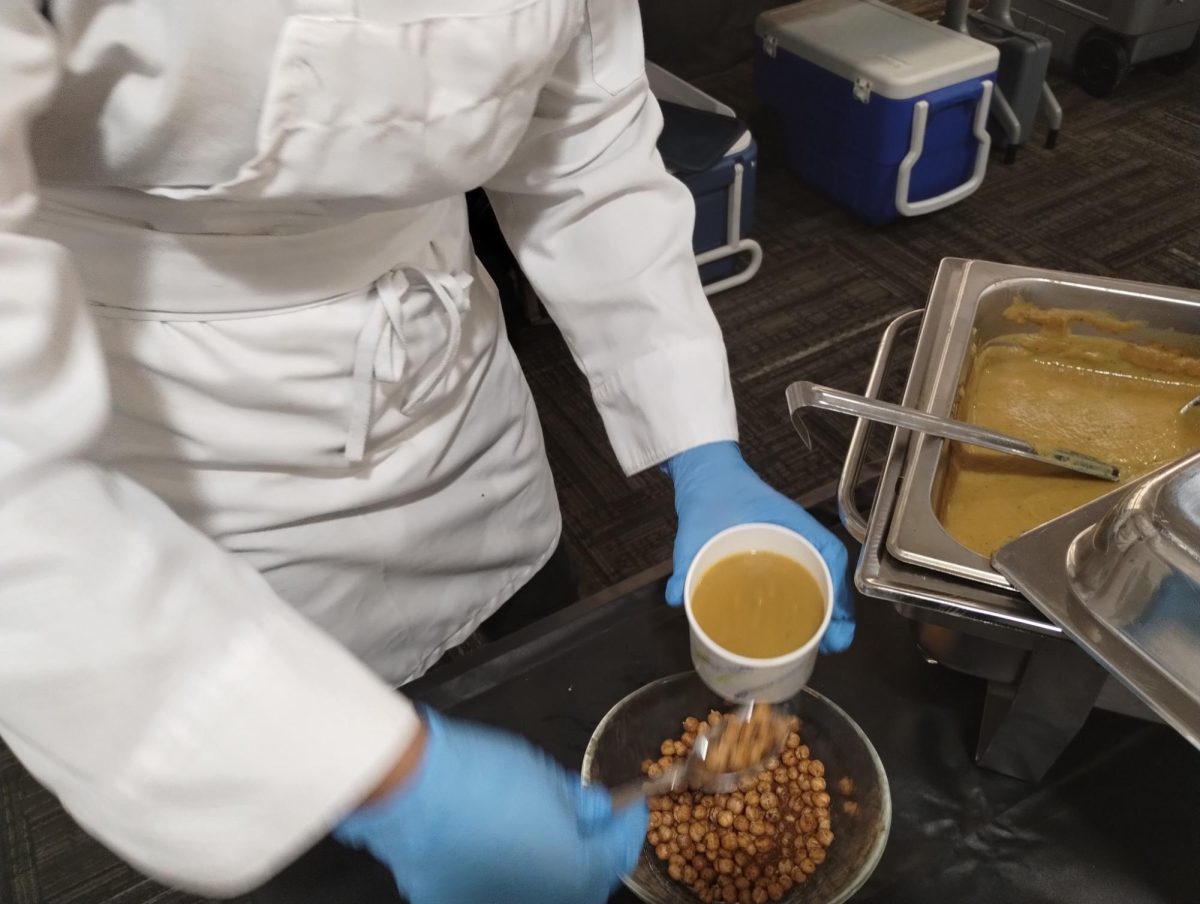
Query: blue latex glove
714	490
488	819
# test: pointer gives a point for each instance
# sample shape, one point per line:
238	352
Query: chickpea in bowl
742	846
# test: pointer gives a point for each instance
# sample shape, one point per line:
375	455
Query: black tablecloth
1117	820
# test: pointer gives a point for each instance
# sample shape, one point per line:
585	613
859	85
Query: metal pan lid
1121	577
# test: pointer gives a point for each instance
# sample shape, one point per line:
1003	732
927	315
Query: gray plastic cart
1102	39
1021	90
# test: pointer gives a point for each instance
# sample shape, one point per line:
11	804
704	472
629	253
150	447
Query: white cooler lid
902	55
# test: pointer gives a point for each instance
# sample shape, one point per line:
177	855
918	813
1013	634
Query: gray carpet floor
1120	196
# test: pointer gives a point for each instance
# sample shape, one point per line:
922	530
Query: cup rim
750	661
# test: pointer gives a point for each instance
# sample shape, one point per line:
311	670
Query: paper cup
741	678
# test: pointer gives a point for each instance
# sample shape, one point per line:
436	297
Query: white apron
337	403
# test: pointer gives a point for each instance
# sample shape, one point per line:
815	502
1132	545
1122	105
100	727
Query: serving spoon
693	773
803	395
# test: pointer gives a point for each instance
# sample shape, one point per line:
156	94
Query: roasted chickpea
818	784
846	786
760	895
769	801
807	866
849	807
822	799
654	770
803	752
775	891
741	823
824	838
711	841
724	819
697	832
666	833
751	799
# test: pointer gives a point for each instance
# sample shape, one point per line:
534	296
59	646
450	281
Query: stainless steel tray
965	310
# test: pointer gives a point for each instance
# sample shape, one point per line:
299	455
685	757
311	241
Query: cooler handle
917	145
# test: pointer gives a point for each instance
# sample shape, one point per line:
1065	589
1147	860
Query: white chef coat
263	441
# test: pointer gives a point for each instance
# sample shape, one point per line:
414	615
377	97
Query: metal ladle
803	395
1188	406
692	773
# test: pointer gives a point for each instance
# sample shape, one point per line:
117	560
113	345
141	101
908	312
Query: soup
1110	398
758	604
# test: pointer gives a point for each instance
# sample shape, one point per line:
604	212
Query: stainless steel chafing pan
966	312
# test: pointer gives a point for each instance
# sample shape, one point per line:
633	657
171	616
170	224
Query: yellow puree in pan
1110	398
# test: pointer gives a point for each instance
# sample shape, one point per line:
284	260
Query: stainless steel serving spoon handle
802	395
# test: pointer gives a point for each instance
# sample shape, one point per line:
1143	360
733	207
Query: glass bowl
634	728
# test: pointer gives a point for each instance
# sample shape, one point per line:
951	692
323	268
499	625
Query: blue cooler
884	112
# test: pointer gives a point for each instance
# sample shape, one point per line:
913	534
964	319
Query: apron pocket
618	54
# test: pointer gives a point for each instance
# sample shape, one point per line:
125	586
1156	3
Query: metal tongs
803	395
693	773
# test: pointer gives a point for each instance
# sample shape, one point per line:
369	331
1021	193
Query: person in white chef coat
265	451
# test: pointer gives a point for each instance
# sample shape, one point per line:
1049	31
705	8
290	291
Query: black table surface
1117	819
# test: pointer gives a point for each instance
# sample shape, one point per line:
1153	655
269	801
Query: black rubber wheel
1101	63
1178	63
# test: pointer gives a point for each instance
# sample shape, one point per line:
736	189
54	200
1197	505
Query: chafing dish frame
1040	686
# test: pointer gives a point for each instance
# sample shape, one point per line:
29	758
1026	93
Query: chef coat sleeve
604	234
182	713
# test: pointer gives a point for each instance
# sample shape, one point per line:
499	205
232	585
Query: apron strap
385	324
